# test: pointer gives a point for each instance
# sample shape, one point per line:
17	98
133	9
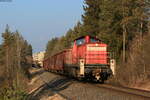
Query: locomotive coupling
97	76
96	73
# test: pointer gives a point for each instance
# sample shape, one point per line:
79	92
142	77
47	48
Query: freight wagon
87	59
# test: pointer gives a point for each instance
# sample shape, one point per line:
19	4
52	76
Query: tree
91	17
50	47
14	53
7	44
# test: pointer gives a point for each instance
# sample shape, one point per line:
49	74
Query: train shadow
55	86
59	84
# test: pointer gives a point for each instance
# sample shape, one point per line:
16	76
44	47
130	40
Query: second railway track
50	87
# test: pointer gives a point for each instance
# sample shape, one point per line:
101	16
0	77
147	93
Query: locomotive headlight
96	44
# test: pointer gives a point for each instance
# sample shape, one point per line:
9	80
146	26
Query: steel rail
126	90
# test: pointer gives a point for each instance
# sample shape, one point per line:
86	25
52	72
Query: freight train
88	58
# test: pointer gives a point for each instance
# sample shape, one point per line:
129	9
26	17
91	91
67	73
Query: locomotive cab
91	55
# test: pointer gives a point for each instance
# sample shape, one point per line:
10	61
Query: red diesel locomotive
88	59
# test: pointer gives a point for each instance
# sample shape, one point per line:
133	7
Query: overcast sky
40	20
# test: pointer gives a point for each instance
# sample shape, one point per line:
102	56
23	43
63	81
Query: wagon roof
57	53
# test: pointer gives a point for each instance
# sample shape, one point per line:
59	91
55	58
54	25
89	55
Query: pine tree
50	47
2	68
7	44
91	17
14	52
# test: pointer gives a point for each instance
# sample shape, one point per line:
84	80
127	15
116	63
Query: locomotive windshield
80	41
93	40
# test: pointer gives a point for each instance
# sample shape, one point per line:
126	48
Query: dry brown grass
137	67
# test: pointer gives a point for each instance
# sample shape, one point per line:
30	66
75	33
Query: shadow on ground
56	85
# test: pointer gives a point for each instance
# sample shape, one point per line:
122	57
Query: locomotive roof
87	35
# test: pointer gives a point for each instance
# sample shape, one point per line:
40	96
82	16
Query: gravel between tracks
62	88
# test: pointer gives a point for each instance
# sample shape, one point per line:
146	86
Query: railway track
50	87
131	91
109	89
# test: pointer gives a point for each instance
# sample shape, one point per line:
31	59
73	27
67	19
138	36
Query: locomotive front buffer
96	72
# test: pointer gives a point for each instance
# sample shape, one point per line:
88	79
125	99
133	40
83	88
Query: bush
13	93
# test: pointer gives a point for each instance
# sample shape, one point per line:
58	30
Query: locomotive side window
93	40
80	41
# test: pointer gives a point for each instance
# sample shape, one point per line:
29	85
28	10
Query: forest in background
124	26
15	60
